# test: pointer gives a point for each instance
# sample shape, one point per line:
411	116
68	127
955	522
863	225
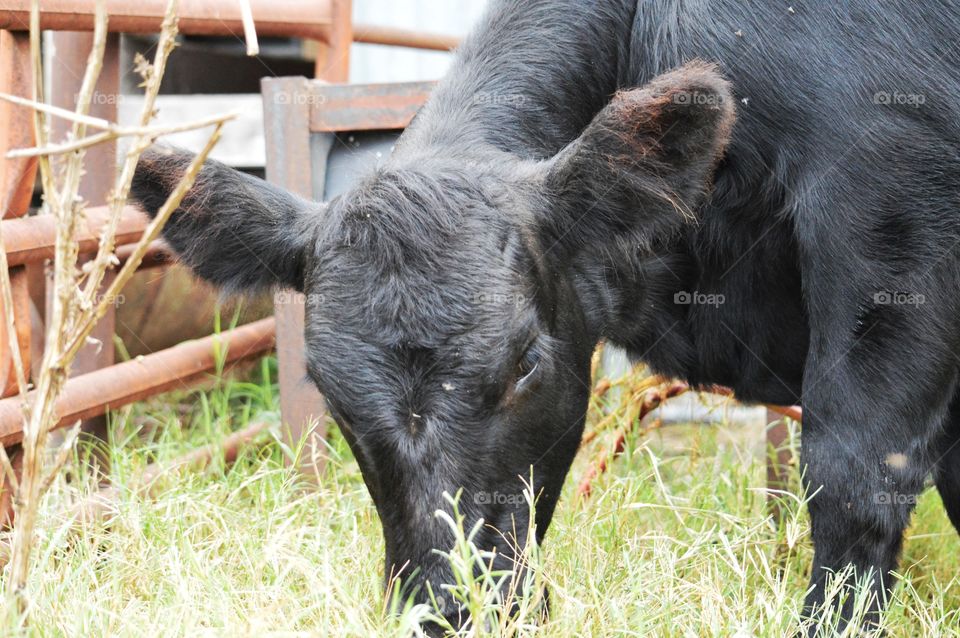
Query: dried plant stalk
249	30
75	303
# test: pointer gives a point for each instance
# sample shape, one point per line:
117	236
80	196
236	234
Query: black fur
541	201
226	215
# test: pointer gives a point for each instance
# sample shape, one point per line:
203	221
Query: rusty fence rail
181	366
289	18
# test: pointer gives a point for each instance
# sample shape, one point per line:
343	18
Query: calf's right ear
236	231
644	164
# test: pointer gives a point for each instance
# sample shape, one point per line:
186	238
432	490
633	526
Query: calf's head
448	320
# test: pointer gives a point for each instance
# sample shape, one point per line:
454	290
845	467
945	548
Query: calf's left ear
236	231
644	163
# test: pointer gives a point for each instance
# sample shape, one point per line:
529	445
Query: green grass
675	541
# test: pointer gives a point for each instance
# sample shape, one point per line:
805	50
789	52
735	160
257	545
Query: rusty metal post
286	110
16	175
16	189
333	55
67	67
779	456
291	157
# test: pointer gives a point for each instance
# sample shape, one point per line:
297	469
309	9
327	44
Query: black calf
541	202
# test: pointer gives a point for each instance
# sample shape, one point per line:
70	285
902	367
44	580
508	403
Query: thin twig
50	109
62	148
8	471
6	298
116	132
249	29
66	447
27	498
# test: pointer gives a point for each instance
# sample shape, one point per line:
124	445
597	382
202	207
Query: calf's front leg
874	401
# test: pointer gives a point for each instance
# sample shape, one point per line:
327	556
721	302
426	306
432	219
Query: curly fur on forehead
410	254
404	214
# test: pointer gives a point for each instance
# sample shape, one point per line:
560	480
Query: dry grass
675	541
78	295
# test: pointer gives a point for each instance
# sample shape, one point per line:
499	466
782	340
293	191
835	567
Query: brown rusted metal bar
31	240
290	164
316	20
16	175
779	454
391	36
285	18
22	325
333	56
94	393
339	108
794	412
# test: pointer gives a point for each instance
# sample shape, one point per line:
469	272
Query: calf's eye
528	364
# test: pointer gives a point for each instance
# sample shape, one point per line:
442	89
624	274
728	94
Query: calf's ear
644	163
234	230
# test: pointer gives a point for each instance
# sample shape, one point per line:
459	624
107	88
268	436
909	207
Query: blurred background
375	63
207	76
